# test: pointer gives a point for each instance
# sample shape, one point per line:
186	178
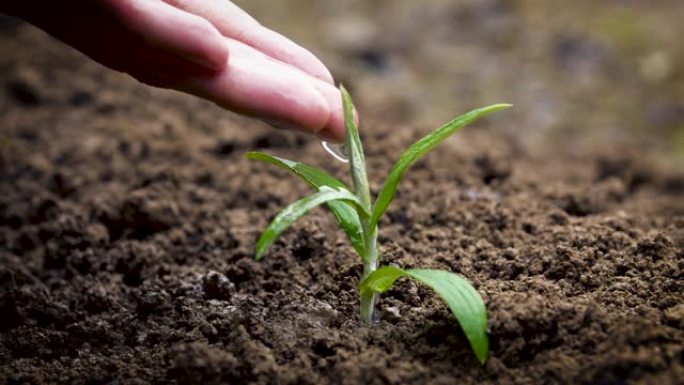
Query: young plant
358	217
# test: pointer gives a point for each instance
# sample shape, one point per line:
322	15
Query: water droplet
338	151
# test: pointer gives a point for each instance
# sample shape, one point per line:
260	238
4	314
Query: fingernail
334	131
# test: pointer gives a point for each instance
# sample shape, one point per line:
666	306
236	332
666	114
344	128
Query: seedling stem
370	264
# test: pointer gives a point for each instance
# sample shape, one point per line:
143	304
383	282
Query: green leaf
313	176
297	209
461	297
356	157
420	148
344	213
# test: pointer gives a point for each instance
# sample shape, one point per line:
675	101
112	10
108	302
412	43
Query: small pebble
391	313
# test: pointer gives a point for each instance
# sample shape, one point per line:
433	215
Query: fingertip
323	72
311	64
334	130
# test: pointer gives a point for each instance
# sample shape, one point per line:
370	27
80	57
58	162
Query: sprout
358	217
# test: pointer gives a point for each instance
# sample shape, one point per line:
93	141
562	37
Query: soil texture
128	218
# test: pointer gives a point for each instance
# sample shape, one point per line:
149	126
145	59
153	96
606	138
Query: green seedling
358	217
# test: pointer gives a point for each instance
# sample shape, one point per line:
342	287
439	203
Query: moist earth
128	218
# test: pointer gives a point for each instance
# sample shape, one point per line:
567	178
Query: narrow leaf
296	210
356	157
460	296
344	213
420	148
313	176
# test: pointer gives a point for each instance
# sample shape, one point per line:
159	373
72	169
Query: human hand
209	48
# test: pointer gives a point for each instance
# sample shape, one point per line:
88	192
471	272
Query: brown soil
128	218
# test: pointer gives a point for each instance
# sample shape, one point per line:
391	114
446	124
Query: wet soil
128	218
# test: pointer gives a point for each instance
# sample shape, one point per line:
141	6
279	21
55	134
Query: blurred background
584	72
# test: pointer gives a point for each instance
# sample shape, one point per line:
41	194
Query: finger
257	85
113	42
170	29
235	23
334	129
279	47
